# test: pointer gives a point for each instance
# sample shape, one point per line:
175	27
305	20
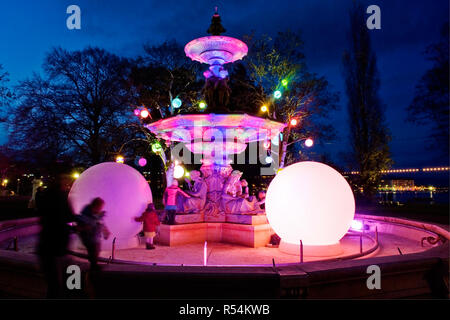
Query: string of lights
428	169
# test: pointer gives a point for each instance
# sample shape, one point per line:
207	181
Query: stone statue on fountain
234	201
217	193
198	194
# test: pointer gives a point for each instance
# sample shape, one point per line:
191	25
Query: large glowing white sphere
312	202
125	191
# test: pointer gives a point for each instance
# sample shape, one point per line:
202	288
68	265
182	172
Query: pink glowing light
142	162
137	112
310	201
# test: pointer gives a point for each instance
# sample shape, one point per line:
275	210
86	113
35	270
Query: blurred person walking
91	228
55	215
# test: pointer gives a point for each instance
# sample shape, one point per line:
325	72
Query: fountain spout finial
216	27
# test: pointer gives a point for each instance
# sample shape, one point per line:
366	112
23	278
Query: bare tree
75	109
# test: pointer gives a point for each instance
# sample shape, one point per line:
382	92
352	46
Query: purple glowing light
357	225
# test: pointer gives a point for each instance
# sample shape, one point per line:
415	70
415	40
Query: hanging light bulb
202	105
176	103
277	94
309	142
144	113
178	171
120	159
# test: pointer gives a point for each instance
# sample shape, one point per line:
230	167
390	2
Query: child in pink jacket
170	201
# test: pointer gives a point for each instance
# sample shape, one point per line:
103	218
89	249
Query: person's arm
105	231
140	218
184	193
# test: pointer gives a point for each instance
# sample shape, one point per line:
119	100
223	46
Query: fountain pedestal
256	233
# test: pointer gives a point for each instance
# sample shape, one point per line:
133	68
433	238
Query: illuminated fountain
218	134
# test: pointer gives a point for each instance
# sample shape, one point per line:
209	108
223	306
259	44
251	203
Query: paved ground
228	254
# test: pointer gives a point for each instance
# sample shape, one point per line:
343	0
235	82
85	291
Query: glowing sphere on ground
312	202
125	191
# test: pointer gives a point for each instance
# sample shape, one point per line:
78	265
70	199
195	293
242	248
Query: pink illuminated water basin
207	132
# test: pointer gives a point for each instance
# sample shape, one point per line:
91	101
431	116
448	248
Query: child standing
151	222
170	201
91	228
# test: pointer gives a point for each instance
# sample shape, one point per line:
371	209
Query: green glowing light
156	147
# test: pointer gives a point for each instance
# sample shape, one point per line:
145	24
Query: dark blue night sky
30	28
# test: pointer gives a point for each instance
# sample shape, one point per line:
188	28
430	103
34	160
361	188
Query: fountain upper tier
216	50
204	132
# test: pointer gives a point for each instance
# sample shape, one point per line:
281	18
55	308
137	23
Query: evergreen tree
368	132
